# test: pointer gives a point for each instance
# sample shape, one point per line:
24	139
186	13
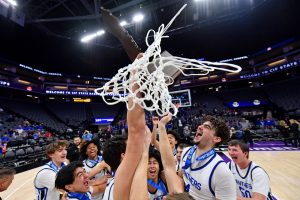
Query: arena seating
72	114
34	112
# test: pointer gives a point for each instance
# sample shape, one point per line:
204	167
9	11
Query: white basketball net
154	85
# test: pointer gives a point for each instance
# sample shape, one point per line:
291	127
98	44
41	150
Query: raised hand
166	119
147	140
155	120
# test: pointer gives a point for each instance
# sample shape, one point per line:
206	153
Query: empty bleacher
72	114
34	112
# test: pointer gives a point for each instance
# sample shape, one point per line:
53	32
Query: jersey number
245	193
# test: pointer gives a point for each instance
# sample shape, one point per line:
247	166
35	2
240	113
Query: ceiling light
12	2
138	17
23	82
123	23
101	32
278	62
92	36
88	37
60	87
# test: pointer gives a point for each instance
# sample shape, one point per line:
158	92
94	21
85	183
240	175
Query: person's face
5	183
236	154
153	168
172	140
59	156
77	141
92	151
178	153
81	181
205	135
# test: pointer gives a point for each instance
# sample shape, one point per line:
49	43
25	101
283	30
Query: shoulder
46	172
257	172
222	170
185	151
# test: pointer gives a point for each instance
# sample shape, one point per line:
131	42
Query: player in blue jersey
252	182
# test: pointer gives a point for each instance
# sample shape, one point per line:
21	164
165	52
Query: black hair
174	134
153	153
112	153
220	127
66	175
83	148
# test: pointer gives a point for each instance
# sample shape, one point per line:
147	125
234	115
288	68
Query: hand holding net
152	92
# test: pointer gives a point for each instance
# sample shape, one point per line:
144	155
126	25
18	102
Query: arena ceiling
211	29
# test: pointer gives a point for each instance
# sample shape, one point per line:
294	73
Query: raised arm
139	189
98	168
154	142
134	149
174	182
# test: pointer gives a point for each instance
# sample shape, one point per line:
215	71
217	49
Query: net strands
154	85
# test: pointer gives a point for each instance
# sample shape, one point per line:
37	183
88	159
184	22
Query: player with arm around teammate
252	182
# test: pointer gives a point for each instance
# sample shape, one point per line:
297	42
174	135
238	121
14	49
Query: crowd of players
141	167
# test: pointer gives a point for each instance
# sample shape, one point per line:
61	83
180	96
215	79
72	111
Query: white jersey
44	183
109	190
88	165
160	192
249	180
209	178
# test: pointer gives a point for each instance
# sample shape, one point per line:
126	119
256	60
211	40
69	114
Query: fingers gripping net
153	85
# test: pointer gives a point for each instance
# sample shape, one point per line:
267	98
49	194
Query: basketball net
153	85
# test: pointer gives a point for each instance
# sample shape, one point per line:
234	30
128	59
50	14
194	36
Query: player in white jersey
89	154
252	182
44	181
109	190
75	181
205	174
